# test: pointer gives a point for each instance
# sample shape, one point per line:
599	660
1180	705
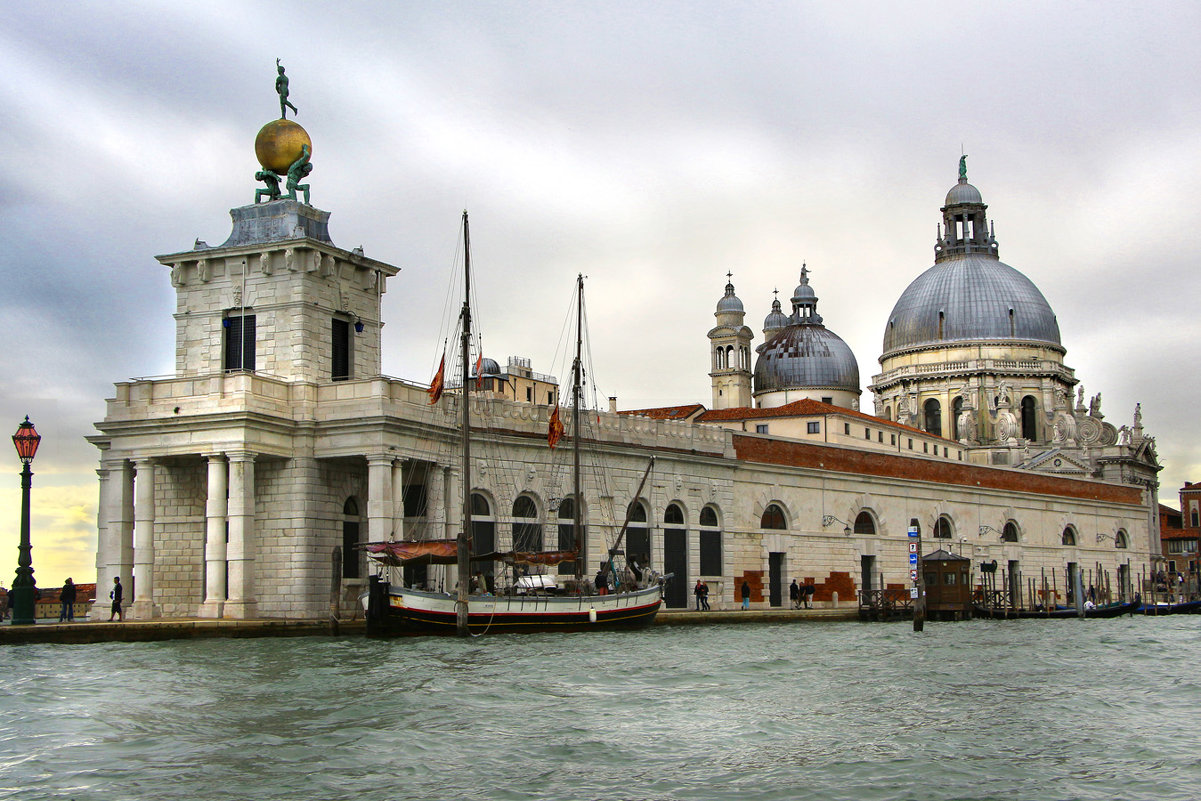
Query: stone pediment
1058	462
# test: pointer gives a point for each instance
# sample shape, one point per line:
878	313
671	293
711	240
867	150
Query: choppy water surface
986	709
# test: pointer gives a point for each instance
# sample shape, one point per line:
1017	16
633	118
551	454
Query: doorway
775	579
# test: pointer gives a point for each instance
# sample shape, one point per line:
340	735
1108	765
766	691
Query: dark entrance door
675	560
1015	584
775	579
868	567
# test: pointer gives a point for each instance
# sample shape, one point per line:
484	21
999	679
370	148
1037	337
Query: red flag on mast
437	385
479	370
555	432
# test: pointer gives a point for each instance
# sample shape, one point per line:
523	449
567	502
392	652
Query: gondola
1058	613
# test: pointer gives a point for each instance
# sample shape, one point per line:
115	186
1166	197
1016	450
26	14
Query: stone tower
731	353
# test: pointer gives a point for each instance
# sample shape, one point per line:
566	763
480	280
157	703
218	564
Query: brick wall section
836	582
845	460
758	590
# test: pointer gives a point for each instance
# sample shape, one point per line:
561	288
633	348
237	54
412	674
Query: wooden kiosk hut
948	585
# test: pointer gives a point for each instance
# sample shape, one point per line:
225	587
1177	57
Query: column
112	522
398	501
216	508
241	548
142	591
379	503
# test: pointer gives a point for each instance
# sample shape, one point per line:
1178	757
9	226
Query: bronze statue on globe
283	148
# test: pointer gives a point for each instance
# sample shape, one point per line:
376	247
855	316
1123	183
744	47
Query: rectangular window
1175	546
710	553
550	399
925	447
829	401
239	342
761	428
879	436
340	350
948	579
944	451
814	427
846	429
911	443
529	394
867	433
892	439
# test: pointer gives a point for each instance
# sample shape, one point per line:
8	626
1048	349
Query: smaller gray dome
730	302
774	321
962	193
806	357
489	367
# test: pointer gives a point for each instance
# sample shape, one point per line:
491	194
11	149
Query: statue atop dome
281	88
283	148
962	161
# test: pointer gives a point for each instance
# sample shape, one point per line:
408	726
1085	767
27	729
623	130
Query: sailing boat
532	602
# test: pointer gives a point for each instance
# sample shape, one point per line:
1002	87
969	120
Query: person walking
746	595
705	596
699	592
810	591
794	594
67	596
116	593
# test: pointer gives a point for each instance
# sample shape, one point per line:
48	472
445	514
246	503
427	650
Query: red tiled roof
886	465
666	412
806	407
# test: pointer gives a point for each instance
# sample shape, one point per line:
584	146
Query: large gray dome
970	297
806	357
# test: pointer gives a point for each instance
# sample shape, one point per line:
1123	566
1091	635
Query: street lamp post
24	589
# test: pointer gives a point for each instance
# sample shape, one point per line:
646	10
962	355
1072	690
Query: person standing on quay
705	596
116	593
67	596
699	592
746	595
794	594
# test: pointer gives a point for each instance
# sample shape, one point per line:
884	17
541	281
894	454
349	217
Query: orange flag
436	386
479	370
555	431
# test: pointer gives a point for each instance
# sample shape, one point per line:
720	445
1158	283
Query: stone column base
141	610
211	609
240	610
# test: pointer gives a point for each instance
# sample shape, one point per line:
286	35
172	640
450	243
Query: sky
652	146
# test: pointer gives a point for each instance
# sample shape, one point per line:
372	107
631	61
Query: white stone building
227	489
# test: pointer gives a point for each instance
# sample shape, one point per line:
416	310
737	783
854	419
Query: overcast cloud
651	146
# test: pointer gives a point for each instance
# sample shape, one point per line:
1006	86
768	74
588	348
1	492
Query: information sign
913	559
913	575
913	547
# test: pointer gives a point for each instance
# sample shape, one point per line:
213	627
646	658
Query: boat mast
576	504
464	539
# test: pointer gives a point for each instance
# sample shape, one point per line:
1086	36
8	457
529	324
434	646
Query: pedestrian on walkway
116	593
698	591
810	591
794	594
746	595
705	596
67	596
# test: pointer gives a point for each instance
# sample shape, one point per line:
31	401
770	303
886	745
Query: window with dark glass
942	529
814	427
567	539
1010	533
350	540
865	523
239	342
527	532
340	350
773	517
710	542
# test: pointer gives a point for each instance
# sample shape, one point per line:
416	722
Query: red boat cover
428	552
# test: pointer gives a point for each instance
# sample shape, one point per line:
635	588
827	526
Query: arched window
933	415
1010	532
865	523
942	528
1120	540
483	537
1029	420
887	412
1069	536
527	532
773	517
674	515
956	409
710	541
351	553
567	540
638	535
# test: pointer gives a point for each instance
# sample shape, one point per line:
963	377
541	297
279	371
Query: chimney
613	404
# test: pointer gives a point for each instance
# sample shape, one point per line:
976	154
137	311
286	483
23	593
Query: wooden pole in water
919	603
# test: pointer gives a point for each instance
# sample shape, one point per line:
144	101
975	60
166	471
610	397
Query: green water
1072	709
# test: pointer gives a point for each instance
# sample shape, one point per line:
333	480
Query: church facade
244	485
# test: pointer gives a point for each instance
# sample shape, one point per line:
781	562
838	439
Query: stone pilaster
215	512
114	517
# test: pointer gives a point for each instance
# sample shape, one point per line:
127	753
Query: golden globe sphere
278	145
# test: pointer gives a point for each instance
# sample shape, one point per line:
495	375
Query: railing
885	604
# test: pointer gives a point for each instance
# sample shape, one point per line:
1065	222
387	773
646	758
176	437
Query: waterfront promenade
195	628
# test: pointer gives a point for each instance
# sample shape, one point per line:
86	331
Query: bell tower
730	351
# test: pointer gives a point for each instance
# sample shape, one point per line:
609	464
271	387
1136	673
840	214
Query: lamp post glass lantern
24	590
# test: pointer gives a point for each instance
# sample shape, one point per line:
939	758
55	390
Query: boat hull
400	611
1185	608
1111	610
